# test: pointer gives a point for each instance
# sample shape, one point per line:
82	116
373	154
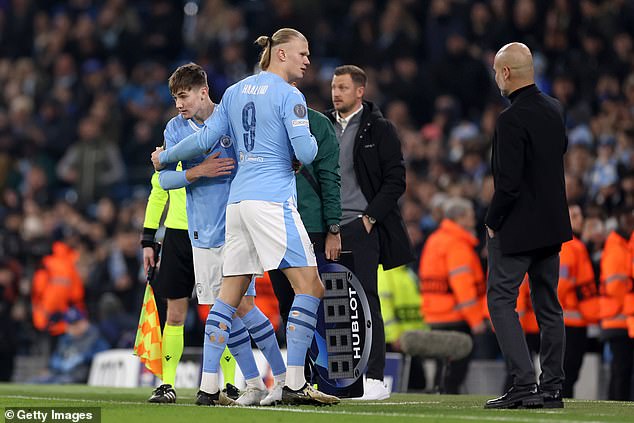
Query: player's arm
173	179
200	142
295	116
169	177
213	166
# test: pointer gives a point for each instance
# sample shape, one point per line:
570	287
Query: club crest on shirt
226	141
299	110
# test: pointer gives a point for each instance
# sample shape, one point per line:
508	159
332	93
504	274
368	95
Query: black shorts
175	278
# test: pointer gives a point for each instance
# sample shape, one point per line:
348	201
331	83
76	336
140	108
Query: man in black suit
527	222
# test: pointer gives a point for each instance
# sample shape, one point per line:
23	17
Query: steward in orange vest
578	295
628	306
617	303
56	286
452	280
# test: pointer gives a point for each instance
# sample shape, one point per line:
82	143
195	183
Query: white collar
345	121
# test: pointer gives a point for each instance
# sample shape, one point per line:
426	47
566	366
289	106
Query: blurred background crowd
84	101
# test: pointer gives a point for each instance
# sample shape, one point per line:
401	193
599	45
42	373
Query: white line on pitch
332	411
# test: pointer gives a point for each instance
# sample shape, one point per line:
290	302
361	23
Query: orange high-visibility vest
56	286
629	300
452	280
616	282
577	290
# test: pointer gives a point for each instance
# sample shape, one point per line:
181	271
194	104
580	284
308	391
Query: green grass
123	405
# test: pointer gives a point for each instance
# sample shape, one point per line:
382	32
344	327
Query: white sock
209	383
256	382
280	379
295	377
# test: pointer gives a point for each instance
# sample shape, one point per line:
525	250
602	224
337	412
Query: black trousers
505	276
621	368
532	341
576	345
365	251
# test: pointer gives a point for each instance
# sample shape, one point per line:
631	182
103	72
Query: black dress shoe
552	399
518	397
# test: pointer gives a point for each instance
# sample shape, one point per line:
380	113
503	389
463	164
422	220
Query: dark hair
187	77
267	43
356	73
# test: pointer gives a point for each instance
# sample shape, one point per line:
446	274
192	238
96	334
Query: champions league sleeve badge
299	110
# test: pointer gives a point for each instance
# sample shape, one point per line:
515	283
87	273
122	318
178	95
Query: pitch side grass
125	405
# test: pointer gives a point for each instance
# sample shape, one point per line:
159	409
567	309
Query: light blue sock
217	331
301	328
263	334
240	346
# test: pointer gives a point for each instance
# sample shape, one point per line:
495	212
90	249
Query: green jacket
318	212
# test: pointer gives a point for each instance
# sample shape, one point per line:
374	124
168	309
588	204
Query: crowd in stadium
85	99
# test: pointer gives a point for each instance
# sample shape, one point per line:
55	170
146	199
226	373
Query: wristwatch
334	228
370	219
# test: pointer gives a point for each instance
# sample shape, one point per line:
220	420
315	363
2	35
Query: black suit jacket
528	210
380	170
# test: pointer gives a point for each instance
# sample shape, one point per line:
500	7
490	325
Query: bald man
526	223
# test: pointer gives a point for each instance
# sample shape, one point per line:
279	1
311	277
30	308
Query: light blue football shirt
206	197
268	119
